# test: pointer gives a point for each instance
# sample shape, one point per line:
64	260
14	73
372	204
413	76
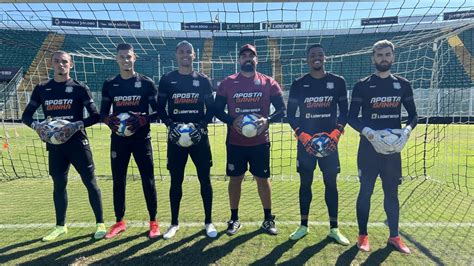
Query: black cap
248	47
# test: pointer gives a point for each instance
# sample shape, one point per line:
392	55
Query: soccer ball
53	127
123	130
321	143
391	137
185	140
249	128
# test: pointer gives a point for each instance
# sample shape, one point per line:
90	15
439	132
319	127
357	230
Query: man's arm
354	109
91	108
30	109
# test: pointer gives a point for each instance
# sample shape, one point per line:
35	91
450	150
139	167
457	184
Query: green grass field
437	213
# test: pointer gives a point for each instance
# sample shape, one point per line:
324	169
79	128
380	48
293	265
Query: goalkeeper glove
42	129
306	140
68	130
112	121
136	121
404	133
173	133
200	129
375	138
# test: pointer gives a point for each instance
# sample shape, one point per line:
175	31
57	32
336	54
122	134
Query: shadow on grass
18	245
106	245
193	254
379	256
423	249
348	256
308	252
276	253
46	245
123	256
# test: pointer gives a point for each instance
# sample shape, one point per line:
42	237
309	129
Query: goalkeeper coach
380	97
249	92
63	98
318	95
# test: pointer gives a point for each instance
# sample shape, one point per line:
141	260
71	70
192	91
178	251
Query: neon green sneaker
58	230
299	233
340	238
100	231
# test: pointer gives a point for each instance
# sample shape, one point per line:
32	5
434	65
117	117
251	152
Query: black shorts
258	157
75	151
200	153
307	162
371	163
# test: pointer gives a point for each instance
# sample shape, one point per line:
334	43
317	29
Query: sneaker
171	231
100	231
363	243
58	230
269	226
398	244
154	230
233	227
336	235
210	230
299	233
116	229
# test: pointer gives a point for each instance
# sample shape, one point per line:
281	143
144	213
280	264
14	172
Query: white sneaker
211	230
171	231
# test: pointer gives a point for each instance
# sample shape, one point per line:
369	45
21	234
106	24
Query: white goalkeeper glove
404	133
376	139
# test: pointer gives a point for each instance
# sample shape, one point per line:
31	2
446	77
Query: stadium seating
94	56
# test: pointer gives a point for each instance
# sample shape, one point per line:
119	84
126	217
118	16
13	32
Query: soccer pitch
437	217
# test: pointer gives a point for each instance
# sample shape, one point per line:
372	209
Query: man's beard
248	67
318	68
383	68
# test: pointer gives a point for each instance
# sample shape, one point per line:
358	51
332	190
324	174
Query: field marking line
145	224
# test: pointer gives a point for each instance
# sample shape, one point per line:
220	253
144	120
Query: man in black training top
188	97
63	98
380	97
318	95
131	93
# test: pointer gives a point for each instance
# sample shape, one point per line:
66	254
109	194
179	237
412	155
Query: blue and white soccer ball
249	128
185	139
53	127
394	135
123	130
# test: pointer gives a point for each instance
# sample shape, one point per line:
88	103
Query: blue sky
165	16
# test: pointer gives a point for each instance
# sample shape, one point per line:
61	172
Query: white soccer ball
249	128
390	138
55	126
185	140
123	130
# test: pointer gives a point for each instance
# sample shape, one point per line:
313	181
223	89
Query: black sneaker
269	226
233	227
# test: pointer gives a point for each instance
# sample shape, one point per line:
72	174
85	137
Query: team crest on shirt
195	83
68	89
397	86
330	85
257	82
138	84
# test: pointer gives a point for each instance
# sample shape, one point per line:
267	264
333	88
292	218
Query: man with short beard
380	97
318	95
249	92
